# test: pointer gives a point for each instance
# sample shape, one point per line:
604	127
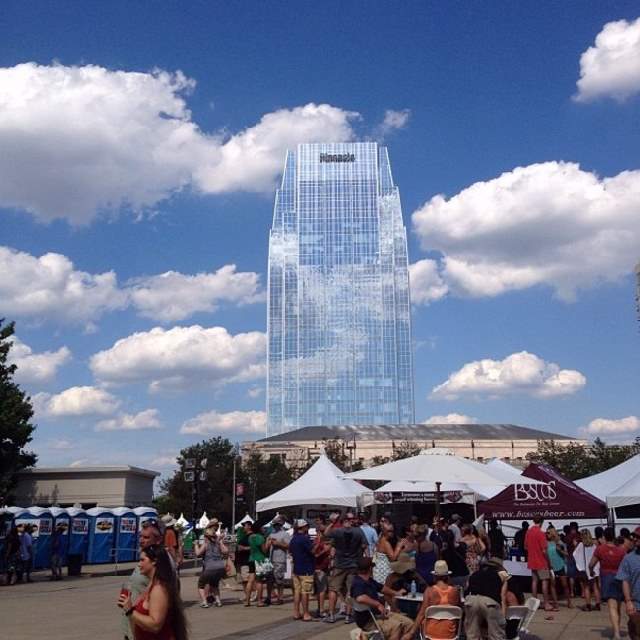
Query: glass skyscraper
338	317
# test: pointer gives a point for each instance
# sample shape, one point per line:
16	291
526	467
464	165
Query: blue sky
141	146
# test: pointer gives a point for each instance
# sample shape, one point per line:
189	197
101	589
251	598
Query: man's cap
364	564
278	520
301	523
455	516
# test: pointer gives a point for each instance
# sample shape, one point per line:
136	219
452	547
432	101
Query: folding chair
443	612
532	605
515	616
359	634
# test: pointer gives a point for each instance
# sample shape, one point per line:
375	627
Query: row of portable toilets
94	536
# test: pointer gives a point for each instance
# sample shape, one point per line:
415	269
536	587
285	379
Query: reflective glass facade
339	326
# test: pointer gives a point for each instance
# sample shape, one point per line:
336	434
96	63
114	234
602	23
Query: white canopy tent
618	486
433	467
504	471
322	484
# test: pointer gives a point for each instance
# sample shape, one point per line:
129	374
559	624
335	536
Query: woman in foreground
157	614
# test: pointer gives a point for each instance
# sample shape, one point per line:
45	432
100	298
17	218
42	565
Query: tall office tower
338	317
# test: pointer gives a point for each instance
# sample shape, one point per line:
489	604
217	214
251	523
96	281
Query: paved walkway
84	607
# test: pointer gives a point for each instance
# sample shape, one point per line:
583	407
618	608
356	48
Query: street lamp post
195	472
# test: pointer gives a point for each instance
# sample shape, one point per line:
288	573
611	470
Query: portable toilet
61	517
126	534
78	533
102	535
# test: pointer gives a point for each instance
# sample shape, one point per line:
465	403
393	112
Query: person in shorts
213	551
277	545
629	576
609	555
301	550
350	545
535	544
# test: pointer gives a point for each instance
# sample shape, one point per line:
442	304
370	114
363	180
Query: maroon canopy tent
559	498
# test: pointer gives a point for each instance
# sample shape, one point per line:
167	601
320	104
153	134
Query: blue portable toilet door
127	536
42	554
102	538
79	535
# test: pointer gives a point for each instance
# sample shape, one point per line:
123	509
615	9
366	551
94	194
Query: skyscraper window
338	317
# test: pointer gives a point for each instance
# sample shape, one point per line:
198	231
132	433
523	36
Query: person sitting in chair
367	603
441	593
403	574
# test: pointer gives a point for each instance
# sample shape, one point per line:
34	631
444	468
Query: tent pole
475	505
438	498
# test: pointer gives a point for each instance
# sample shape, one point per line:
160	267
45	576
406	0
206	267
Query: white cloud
522	373
76	401
612	66
60	445
232	422
173	296
50	288
33	367
393	120
545	224
612	426
164	461
427	284
182	356
255	392
79	463
452	418
148	419
78	141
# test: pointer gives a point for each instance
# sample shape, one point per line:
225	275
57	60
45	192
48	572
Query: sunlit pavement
83	608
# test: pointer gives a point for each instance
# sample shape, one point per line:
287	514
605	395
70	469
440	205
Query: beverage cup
124	591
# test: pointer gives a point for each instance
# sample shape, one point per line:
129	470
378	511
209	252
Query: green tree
16	412
213	494
341	453
579	460
262	477
405	449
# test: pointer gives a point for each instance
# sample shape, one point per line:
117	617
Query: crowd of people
349	568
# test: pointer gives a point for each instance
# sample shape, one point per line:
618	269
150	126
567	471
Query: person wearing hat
213	551
483	606
440	593
301	550
277	545
365	590
171	543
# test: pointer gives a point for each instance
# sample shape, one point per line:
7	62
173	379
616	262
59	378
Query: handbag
264	568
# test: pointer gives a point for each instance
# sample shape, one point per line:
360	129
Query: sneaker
205	605
330	619
218	602
348	620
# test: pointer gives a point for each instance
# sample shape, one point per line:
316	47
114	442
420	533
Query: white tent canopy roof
435	467
323	483
618	486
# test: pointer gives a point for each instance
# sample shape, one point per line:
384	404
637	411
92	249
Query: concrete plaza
84	608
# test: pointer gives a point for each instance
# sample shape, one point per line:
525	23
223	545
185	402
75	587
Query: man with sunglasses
149	535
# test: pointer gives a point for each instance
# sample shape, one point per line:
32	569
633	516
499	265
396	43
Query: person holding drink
157	613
